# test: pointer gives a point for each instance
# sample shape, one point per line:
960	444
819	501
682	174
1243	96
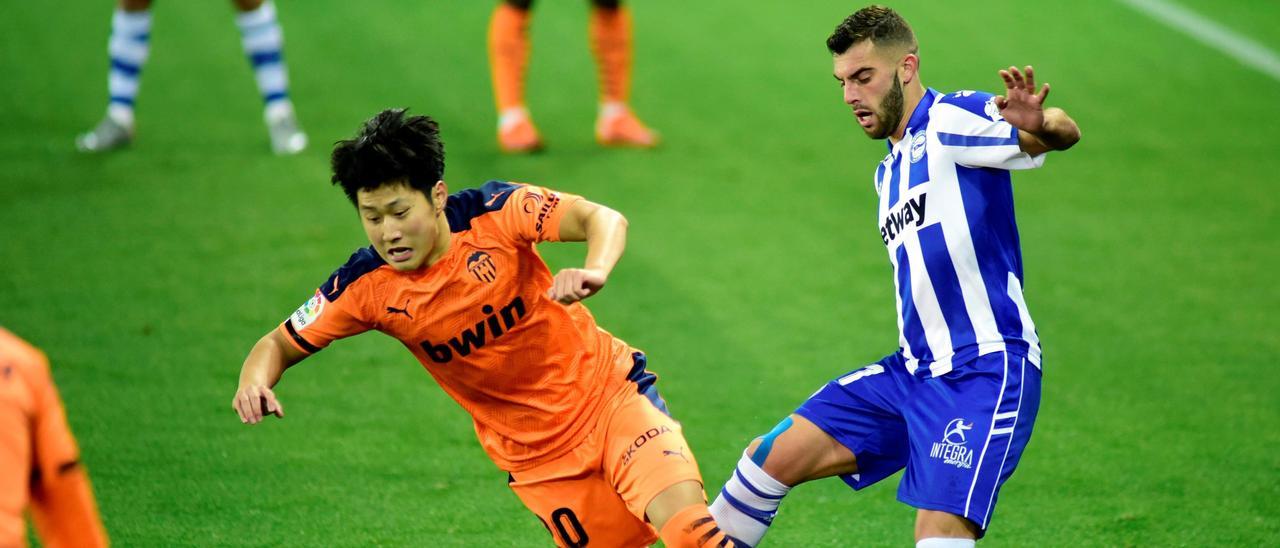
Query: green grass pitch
754	271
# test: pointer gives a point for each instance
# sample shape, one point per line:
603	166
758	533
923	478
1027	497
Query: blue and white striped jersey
946	217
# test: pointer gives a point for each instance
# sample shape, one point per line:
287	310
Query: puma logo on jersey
474	338
910	213
405	310
680	453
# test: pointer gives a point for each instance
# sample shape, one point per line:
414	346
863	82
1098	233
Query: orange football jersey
39	462
533	373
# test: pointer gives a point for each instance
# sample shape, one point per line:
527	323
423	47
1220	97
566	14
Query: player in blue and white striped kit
130	45
956	403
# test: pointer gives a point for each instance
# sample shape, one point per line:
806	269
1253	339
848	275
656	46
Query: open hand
1021	105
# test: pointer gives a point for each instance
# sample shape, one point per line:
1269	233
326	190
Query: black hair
391	147
881	25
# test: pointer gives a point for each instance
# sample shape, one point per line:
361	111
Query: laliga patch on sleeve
308	312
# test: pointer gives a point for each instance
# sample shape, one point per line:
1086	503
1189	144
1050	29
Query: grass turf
753	274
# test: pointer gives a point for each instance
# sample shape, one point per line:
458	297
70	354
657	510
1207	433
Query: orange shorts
598	492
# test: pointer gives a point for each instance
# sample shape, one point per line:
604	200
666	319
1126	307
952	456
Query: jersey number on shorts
867	371
565	521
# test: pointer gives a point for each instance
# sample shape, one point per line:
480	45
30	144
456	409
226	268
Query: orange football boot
518	135
619	127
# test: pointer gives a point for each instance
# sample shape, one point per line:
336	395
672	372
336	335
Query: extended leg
794	452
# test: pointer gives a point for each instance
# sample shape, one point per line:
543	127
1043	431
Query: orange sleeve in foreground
62	502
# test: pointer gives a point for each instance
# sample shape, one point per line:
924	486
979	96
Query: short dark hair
881	25
391	148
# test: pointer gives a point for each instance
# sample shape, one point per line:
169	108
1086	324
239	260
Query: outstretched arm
605	232
1039	129
261	371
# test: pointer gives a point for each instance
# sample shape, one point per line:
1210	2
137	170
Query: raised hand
1021	105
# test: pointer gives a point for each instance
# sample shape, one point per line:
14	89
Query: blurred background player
128	47
609	31
566	409
955	405
39	463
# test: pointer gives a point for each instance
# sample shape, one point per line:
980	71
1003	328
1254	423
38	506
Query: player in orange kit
609	31
39	462
567	409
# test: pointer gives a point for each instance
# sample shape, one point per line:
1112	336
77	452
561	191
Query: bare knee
797	451
520	4
607	4
937	524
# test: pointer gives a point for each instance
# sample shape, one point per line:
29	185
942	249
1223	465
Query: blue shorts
959	435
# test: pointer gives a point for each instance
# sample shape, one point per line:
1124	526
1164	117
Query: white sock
511	116
946	543
611	109
120	114
263	42
278	110
748	502
128	48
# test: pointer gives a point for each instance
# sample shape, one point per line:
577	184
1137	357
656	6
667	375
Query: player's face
869	79
402	225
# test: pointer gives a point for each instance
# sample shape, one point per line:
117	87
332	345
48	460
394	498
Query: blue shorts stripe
982	455
1022	368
